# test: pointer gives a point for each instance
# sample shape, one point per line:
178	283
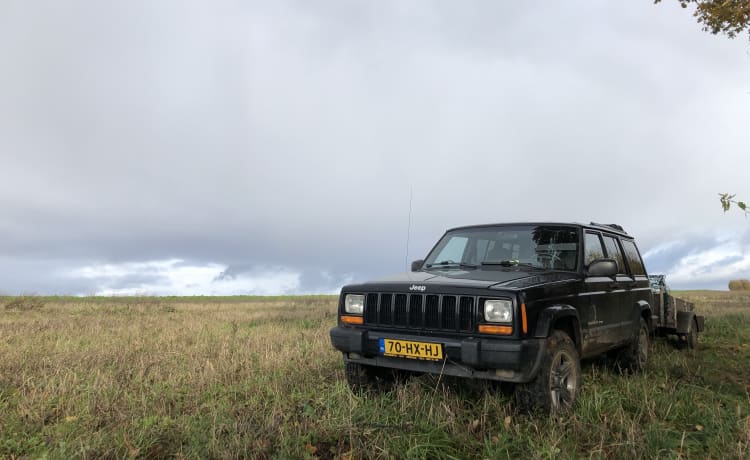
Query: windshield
531	246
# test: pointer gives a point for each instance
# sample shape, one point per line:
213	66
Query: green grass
234	377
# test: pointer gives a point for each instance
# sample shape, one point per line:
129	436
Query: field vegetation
236	377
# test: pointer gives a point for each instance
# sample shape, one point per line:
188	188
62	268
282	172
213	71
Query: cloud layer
237	137
175	277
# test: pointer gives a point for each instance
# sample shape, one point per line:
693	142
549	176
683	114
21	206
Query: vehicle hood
481	279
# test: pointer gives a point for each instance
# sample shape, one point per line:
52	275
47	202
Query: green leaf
741	205
726	200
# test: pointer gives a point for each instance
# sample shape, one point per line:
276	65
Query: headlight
498	311
354	303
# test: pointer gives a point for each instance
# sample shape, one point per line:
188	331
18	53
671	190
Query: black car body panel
540	275
512	361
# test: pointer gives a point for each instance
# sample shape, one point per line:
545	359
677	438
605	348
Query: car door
640	289
621	293
599	314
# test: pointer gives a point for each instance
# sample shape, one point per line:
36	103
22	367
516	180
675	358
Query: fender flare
684	321
646	312
550	315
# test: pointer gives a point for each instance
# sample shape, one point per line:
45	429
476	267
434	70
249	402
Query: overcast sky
230	147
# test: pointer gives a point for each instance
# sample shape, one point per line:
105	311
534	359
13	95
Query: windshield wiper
451	264
512	263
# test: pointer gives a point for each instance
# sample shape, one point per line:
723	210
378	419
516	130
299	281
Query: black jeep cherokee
520	303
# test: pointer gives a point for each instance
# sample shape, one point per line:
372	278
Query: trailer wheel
691	338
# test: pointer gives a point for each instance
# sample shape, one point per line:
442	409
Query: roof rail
614	226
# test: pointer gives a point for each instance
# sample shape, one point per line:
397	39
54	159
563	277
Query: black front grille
421	311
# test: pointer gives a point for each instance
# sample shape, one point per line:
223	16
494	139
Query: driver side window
592	247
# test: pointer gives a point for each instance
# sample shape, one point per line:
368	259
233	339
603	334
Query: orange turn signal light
524	324
493	329
352	319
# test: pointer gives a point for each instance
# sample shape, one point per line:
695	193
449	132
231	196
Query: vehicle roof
610	228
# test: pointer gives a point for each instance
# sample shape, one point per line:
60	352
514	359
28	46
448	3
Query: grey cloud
665	259
232	272
288	134
135	280
718	264
700	262
714	285
40	276
312	279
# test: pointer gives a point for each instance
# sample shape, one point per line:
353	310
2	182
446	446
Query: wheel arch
647	314
684	320
562	317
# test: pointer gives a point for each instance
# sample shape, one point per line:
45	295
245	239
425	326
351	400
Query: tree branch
727	200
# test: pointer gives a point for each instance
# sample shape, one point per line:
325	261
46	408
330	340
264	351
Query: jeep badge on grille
417	287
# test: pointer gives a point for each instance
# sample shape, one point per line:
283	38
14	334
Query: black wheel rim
563	380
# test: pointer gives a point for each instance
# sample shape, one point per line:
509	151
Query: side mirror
417	265
602	267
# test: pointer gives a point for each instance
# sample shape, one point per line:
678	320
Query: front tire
362	378
556	385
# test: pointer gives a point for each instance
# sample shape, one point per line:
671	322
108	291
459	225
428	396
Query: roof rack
614	226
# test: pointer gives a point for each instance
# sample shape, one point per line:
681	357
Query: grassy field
256	377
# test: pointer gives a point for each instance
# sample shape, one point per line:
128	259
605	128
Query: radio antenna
408	231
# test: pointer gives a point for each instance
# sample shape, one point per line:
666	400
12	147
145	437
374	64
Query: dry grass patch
246	377
24	303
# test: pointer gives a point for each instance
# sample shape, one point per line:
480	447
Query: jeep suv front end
460	333
519	303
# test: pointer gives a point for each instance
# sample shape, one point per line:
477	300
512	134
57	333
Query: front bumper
506	360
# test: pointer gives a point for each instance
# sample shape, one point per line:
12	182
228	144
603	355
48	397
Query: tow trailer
674	316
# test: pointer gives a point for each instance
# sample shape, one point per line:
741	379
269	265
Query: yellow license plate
409	349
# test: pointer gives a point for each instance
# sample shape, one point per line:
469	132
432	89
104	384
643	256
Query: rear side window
633	257
613	252
593	248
